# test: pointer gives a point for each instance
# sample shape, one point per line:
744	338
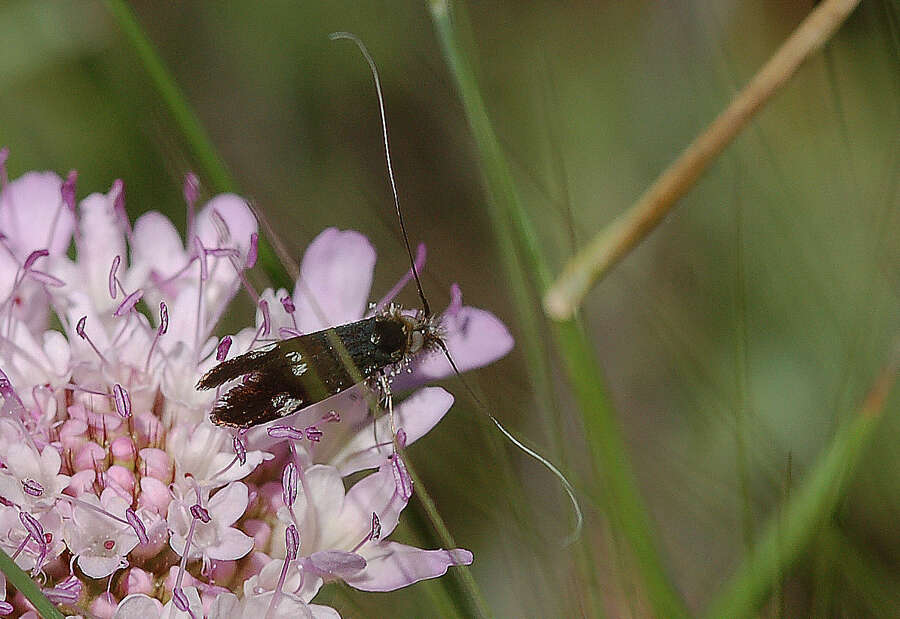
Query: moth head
422	333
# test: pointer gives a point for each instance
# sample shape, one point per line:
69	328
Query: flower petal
225	606
95	566
239	221
323	490
102	239
336	563
392	566
229	503
138	606
232	544
32	214
156	247
416	415
335	279
323	612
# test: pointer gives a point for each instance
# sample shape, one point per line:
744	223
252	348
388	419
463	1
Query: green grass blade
23	583
513	226
211	166
425	508
791	532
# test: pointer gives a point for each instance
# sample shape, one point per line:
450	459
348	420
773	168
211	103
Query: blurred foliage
734	340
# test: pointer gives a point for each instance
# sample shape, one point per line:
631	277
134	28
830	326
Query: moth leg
387	395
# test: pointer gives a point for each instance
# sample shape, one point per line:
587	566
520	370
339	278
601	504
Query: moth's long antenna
567	486
387	155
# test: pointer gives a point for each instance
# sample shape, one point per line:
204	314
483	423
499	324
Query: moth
285	377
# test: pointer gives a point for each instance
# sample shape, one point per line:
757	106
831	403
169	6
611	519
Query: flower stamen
292	546
79	329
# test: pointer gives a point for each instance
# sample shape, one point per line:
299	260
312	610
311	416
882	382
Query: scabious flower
116	491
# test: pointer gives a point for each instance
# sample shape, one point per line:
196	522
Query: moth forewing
287	376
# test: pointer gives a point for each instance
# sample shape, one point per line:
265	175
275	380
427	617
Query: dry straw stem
617	239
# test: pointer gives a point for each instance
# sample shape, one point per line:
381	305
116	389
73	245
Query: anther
289	481
240	449
129	302
118	189
376	527
288	432
288	304
291	542
200	513
32	487
33	257
138	525
67	190
402	480
112	276
313	434
264	308
252	251
79	329
34	528
222	348
123	401
163	318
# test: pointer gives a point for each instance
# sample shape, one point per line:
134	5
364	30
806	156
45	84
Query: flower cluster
116	492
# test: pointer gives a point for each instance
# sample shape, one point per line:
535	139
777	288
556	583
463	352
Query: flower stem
791	532
212	165
618	238
626	509
23	583
461	573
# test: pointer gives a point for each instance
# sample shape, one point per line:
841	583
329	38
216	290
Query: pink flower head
108	459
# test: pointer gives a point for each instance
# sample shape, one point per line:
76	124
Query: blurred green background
734	340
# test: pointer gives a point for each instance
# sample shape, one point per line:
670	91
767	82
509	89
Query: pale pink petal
229	503
32	214
138	606
377	494
239	222
225	606
474	337
416	415
102	239
323	612
95	566
155	246
336	563
324	491
289	607
232	544
9	267
335	278
392	565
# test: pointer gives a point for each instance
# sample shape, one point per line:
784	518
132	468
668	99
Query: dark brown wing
285	377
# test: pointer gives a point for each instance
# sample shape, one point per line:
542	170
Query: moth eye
416	341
